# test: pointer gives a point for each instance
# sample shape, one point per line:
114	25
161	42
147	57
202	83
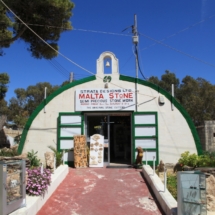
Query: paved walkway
101	191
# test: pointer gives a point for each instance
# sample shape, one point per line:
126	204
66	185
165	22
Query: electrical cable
61	67
174	49
57	68
44	40
180	31
138	63
58	51
160	41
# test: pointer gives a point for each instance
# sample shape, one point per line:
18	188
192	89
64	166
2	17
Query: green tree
5	24
17	108
198	98
35	94
26	101
40	15
166	81
4	80
64	83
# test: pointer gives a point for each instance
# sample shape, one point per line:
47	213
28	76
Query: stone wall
207	135
210	135
201	132
7	137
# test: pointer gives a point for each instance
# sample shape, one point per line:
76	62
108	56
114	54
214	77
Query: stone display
80	151
96	151
50	161
210	188
13	185
161	166
13	181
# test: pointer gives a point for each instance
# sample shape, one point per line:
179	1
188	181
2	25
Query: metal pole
45	99
165	179
41	168
146	159
63	156
71	78
153	165
172	96
136	59
54	164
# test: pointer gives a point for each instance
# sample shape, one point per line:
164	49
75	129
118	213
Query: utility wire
174	49
61	67
156	41
44	40
102	32
111	33
138	63
180	31
56	66
58	51
172	35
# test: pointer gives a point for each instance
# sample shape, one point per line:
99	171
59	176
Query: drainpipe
45	100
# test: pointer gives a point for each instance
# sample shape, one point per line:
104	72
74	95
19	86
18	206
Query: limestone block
80	151
49	157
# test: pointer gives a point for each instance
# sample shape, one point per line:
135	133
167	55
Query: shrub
172	184
58	156
34	161
207	159
38	183
8	152
188	159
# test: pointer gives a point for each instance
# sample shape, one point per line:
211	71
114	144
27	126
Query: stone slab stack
80	151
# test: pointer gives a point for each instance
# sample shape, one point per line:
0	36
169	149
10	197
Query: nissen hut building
128	112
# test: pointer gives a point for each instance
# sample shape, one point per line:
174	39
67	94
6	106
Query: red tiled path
101	191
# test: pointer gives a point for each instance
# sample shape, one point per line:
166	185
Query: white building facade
128	112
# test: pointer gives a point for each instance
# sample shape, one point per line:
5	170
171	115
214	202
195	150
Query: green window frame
151	130
74	126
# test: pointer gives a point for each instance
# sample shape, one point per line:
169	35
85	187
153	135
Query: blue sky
188	27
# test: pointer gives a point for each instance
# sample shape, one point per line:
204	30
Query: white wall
175	136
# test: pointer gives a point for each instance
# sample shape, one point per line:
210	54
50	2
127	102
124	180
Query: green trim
68	126
45	102
176	104
82	124
58	133
145	125
69	113
150	163
156	149
156	121
66	138
69	163
145	137
147	112
133	138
